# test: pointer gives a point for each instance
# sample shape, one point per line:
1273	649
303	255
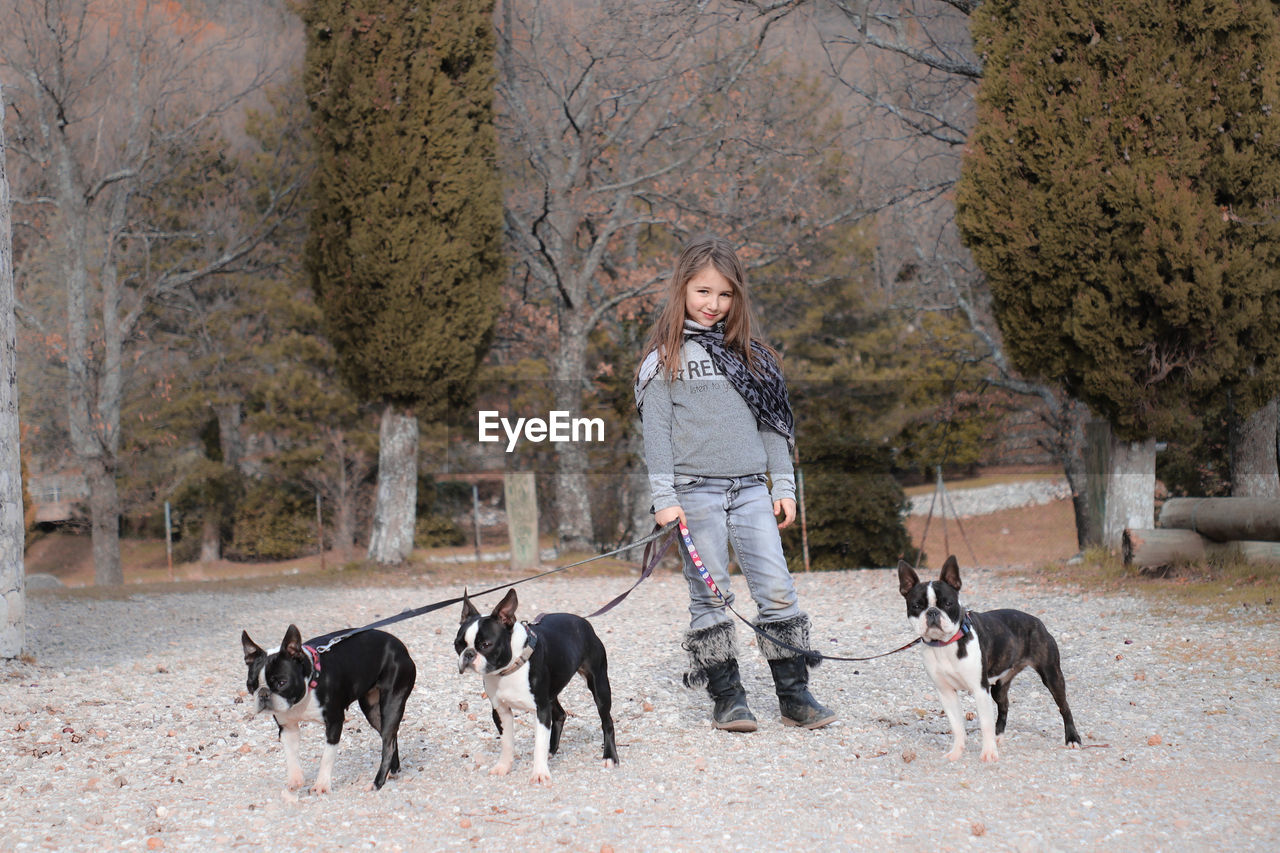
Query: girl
717	434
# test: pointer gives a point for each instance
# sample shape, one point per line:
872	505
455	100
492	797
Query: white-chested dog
980	653
525	666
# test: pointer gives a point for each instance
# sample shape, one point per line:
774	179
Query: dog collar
530	640
315	666
960	632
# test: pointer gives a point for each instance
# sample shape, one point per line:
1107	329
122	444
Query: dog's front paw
956	752
990	753
294	780
321	787
608	762
502	768
540	777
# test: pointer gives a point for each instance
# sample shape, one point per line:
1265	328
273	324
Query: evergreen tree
1119	193
216	341
404	251
850	386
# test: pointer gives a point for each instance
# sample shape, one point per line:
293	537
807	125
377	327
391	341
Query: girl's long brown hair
667	334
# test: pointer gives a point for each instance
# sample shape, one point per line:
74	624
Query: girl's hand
787	508
663	517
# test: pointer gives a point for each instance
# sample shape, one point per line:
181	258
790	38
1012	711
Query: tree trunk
93	383
339	485
231	445
1131	489
344	526
1253	454
104	513
105	389
1078	431
344	505
83	419
12	532
211	536
638	496
573	498
391	540
230	437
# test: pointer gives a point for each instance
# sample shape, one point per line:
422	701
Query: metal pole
475	514
942	495
319	531
168	539
804	524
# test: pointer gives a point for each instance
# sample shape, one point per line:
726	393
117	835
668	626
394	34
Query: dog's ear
506	609
469	611
291	645
252	651
907	578
951	572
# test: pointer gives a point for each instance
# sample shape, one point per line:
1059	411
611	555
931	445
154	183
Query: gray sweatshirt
698	424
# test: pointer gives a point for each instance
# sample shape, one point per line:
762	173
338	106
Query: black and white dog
980	653
525	666
297	683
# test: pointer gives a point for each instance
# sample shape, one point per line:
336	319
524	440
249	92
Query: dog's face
278	678
933	607
483	643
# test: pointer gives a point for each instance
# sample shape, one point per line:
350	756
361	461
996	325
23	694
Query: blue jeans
737	510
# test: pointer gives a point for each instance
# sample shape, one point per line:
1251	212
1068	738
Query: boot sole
737	726
816	724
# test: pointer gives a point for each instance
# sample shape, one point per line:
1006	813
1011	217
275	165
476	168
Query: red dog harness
960	632
315	666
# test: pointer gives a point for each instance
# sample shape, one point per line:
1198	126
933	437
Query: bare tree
629	126
13	625
115	100
599	110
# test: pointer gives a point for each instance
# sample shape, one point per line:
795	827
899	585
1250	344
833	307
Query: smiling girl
718	430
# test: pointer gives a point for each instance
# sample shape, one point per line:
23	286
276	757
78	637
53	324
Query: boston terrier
525	666
980	653
297	683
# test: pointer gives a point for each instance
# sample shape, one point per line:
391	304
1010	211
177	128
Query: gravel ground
129	731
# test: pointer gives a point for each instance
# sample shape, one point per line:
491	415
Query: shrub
437	531
273	522
853	510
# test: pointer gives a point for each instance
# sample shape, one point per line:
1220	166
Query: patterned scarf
764	389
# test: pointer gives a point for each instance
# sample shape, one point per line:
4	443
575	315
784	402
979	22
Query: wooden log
1225	519
1161	547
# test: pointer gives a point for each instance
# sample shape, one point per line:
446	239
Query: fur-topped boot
791	673
713	661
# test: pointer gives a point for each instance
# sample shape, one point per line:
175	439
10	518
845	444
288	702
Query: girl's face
707	296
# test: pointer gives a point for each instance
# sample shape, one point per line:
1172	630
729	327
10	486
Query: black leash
914	642
813	656
651	560
653	554
648	563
